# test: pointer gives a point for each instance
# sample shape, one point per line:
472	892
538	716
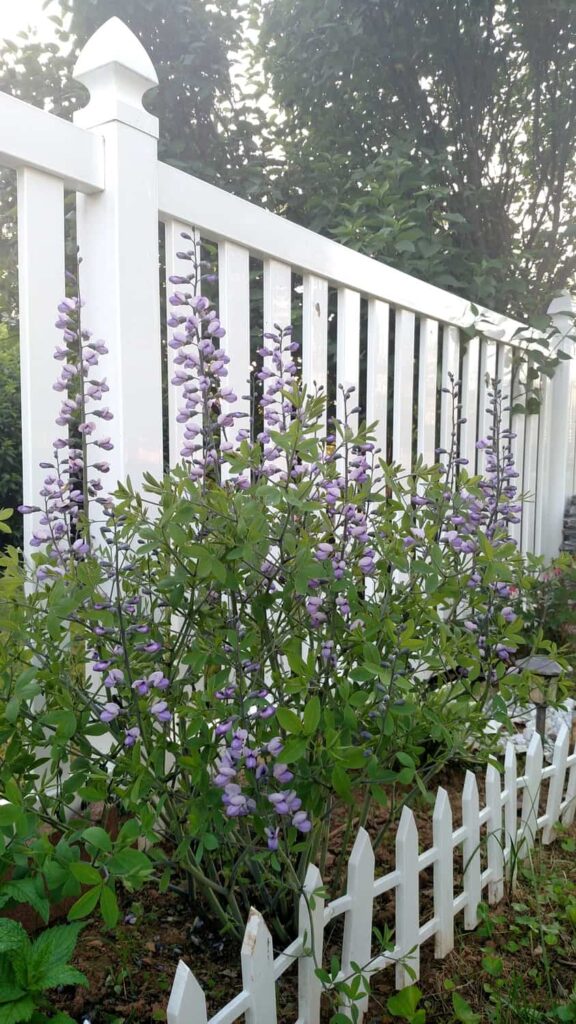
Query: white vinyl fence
493	840
411	331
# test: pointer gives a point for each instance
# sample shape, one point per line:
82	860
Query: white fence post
529	823
311	929
556	787
257	960
357	940
118	242
187	1003
443	875
472	881
510	812
407	901
557	434
570	799
494	839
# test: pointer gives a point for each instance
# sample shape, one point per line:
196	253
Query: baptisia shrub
282	630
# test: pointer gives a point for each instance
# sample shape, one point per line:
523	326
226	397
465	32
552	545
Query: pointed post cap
117	71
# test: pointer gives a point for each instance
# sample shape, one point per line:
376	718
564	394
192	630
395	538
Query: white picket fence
108	157
493	841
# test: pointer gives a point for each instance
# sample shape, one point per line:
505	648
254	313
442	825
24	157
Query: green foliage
435	135
11	448
30	968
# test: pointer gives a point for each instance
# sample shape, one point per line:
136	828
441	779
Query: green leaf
85	905
109	907
289	720
129	862
98	837
404	1003
341	784
312	713
9	814
22	1010
12	936
64	975
463	1011
85	873
25	890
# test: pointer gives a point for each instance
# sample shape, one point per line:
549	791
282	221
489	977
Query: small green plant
30	968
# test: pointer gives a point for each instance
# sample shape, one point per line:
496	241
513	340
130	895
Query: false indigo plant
283	630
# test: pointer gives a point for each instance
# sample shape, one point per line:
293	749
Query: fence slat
234	311
348	351
510	811
570	798
314	333
468	430
173	243
187	1001
450	365
403	388
530	481
41	288
518	428
311	929
377	370
257	961
427	389
487	373
443	875
556	788
407	901
531	795
494	837
357	940
472	880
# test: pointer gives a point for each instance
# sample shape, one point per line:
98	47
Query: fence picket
494	837
407	901
443	875
234	311
533	775
174	243
530	482
487	373
257	961
570	798
187	1001
427	389
348	352
472	880
314	333
450	365
377	370
403	388
311	930
510	811
357	939
556	788
468	430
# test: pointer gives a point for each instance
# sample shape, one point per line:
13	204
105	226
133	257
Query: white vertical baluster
41	288
277	294
427	389
518	428
529	824
443	875
450	365
495	839
118	240
257	960
556	786
311	929
469	430
357	940
377	370
407	901
234	303
348	351
570	798
505	377
472	882
403	388
174	243
510	811
488	369
314	333
187	1001
530	481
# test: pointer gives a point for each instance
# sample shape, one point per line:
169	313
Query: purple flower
131	735
282	774
114	677
275	746
272	837
159	680
160	711
110	712
302	822
508	614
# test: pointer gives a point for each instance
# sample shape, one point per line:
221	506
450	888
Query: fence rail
357	314
493	840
